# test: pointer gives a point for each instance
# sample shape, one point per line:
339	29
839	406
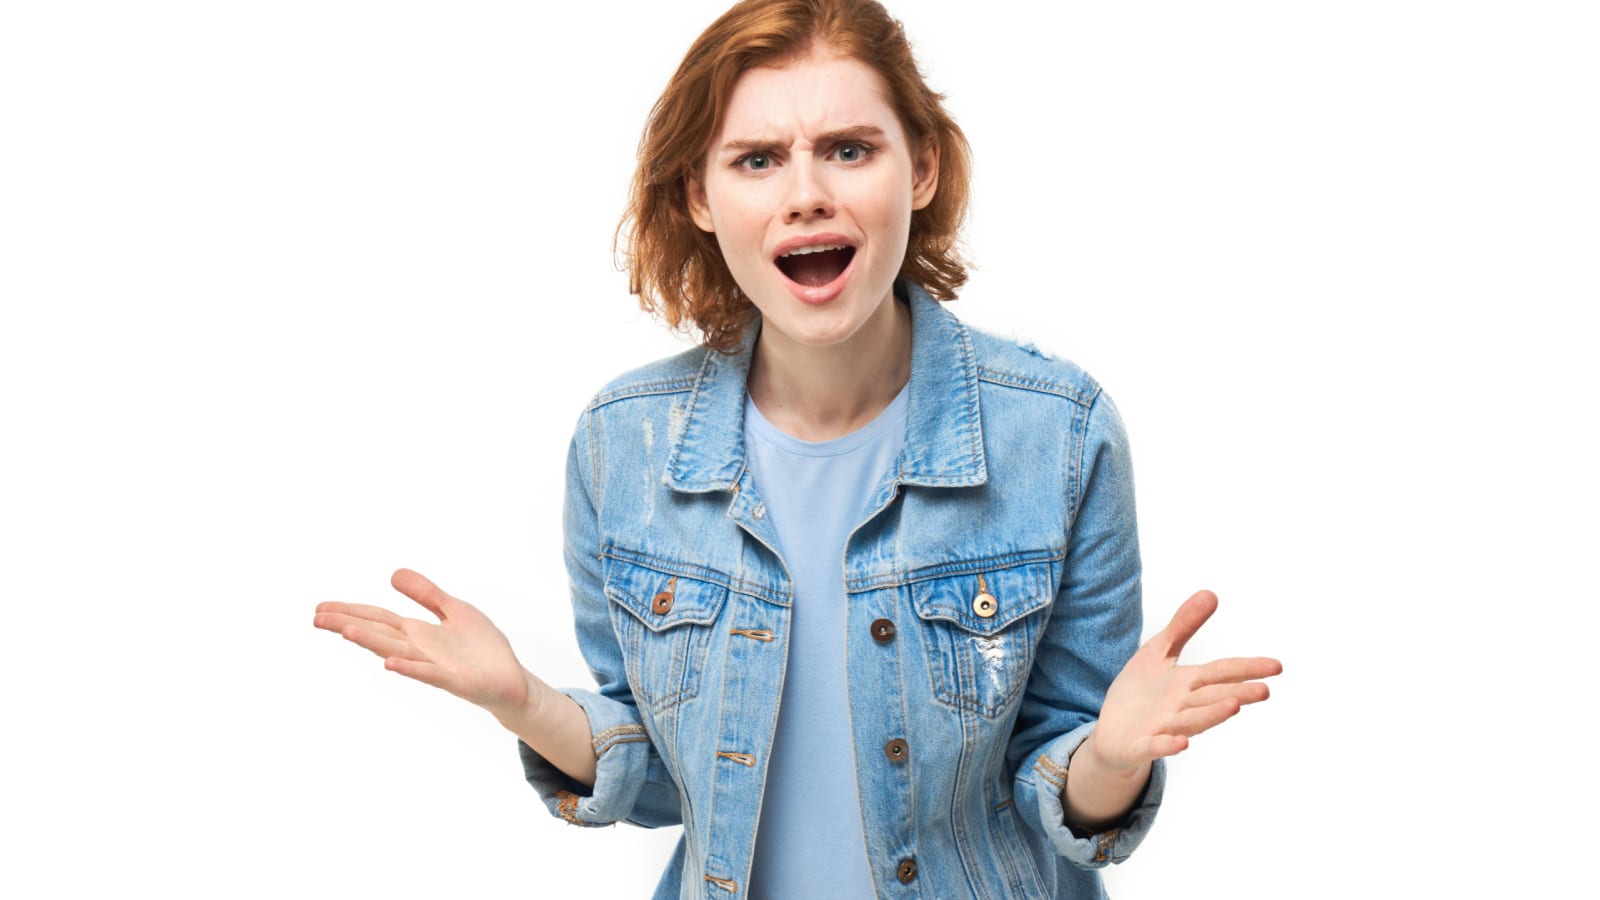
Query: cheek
736	222
739	236
891	218
889	200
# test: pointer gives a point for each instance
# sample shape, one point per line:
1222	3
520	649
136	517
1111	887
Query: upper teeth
819	248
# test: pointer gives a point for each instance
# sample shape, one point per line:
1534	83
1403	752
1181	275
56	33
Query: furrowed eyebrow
853	133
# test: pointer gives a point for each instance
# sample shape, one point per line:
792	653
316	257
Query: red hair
674	267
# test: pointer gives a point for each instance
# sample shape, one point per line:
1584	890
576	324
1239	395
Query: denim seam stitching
593	487
1050	779
1078	435
671	621
617	734
697	385
690	570
637	739
976	427
643	389
1022	382
960	567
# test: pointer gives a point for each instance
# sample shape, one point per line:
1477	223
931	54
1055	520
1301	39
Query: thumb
420	589
1187	620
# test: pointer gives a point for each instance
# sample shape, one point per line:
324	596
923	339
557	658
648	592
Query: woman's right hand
464	653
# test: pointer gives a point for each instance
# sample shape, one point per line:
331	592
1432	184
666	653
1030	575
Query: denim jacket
993	590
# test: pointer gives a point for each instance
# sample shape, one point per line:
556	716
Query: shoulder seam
642	389
1039	385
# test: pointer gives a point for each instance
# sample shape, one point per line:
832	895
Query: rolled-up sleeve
1038	796
1094	628
631	782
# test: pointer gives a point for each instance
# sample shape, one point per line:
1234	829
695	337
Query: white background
297	293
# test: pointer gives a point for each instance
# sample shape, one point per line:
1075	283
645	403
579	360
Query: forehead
819	92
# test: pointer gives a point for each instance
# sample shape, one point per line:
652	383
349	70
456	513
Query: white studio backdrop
298	293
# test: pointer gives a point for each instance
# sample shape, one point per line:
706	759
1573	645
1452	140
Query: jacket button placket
752	635
877	661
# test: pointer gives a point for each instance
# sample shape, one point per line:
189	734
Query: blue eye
756	161
852	152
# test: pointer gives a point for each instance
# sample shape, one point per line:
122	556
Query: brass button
662	603
984	605
896	750
906	871
882	630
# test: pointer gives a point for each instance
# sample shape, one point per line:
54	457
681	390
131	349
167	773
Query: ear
925	174
699	208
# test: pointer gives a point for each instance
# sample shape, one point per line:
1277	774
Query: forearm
556	727
1097	796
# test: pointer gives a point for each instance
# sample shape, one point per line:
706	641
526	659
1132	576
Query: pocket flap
634	587
1017	591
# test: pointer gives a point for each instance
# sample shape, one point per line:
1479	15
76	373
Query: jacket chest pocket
981	630
663	623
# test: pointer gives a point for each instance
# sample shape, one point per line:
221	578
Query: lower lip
822	293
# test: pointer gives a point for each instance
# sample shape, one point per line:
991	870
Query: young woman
859	585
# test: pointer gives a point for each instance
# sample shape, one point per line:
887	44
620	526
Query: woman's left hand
1155	705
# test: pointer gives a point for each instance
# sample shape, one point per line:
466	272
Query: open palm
464	653
1155	704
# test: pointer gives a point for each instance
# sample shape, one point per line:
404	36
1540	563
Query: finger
1245	694
420	589
421	670
1187	620
1193	721
337	623
1158	745
357	611
1237	669
379	642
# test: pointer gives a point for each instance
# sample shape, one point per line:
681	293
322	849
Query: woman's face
809	189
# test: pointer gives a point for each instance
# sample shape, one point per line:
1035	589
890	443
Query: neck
820	393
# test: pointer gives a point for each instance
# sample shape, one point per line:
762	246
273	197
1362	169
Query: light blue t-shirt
809	842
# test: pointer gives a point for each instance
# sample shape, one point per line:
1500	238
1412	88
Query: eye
852	152
755	162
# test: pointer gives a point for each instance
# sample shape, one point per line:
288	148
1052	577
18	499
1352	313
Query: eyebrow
852	133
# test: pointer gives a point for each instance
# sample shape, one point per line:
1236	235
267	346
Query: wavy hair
676	269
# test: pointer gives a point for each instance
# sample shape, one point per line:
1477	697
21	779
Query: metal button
984	604
896	750
906	871
882	630
662	603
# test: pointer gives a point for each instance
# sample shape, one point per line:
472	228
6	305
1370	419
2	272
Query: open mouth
816	266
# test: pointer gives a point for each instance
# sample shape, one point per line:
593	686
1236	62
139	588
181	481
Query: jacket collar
944	431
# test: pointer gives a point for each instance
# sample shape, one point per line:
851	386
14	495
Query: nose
808	196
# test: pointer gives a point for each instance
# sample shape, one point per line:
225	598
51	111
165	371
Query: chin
825	325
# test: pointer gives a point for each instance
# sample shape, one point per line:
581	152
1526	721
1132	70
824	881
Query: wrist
522	715
1098	795
1089	756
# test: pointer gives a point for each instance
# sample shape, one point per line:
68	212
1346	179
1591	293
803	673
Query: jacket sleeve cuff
1038	798
621	749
